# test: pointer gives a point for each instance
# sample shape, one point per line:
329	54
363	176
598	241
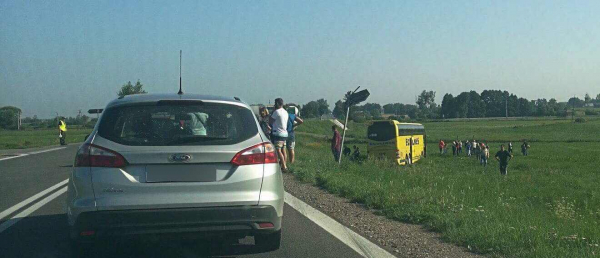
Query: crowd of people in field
481	151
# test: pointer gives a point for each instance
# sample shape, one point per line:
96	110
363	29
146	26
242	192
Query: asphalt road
43	233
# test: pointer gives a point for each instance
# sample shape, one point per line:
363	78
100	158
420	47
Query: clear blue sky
58	56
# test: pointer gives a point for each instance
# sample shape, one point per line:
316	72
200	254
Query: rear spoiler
95	111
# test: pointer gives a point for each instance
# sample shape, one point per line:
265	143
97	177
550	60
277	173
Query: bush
580	120
591	113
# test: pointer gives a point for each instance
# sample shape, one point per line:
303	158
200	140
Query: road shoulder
400	239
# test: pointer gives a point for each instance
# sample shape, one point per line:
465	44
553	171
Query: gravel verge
400	239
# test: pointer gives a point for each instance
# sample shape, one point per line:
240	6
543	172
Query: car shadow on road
47	236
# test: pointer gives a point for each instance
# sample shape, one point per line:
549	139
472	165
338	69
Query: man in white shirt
279	121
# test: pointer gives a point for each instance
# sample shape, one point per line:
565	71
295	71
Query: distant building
590	104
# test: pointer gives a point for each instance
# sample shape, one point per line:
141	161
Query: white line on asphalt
42	151
31	153
31	199
31	209
355	241
14	157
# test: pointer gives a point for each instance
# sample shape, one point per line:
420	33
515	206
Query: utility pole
506	104
19	122
573	110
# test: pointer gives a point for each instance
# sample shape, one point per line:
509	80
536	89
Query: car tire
268	242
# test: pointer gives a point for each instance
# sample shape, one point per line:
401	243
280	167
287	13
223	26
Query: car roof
141	98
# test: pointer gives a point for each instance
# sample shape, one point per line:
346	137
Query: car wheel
267	243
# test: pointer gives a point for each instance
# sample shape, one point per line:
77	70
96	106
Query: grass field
547	206
493	131
38	138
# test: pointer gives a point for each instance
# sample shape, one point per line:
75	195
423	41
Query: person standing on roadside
264	121
62	131
510	147
279	134
503	156
336	142
442	145
524	148
460	147
290	143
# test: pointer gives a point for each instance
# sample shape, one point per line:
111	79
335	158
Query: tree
388	108
448	106
587	98
128	89
339	111
323	107
426	99
575	102
598	97
310	109
426	104
9	117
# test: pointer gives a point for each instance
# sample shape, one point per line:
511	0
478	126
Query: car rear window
381	131
174	124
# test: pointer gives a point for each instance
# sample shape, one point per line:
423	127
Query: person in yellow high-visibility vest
62	131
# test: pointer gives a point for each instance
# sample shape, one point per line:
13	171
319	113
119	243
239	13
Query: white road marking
14	157
42	151
355	241
31	199
31	209
32	153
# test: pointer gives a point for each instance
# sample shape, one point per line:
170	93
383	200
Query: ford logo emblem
180	157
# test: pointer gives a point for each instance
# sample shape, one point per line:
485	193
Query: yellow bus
402	142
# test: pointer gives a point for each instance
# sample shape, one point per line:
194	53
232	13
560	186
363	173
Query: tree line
496	103
471	104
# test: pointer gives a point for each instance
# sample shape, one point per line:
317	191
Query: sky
63	56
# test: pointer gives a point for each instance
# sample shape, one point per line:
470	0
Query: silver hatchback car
176	163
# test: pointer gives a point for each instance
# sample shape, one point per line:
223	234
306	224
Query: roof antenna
180	91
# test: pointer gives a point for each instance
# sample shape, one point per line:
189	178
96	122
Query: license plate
181	173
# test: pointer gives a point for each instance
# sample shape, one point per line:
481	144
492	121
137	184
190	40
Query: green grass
487	130
38	138
547	206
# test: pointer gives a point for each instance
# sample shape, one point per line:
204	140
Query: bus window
381	131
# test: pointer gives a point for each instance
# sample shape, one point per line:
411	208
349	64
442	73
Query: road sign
358	97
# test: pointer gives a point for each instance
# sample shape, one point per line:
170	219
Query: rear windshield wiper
194	139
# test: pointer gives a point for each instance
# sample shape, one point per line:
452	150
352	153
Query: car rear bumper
212	220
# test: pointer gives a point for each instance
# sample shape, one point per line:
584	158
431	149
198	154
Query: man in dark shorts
503	156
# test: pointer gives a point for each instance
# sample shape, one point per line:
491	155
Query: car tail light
266	225
258	154
90	155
